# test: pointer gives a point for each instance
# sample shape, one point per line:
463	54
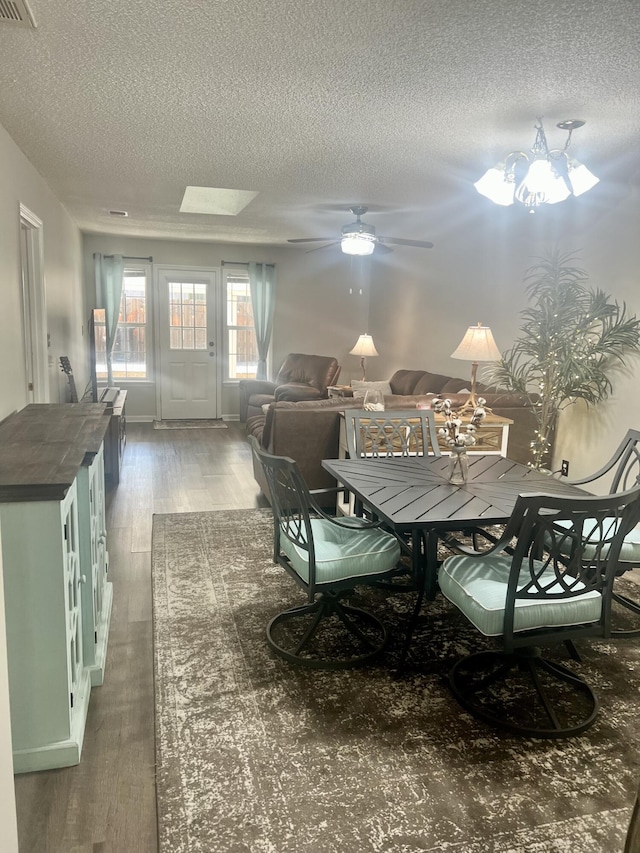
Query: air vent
113	212
17	12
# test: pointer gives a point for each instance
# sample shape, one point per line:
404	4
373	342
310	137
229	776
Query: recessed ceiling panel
215	201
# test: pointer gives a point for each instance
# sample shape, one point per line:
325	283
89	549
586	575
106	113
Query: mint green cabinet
49	683
55	562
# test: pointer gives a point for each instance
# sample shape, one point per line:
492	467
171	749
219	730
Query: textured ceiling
398	104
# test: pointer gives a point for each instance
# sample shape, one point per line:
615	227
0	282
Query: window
129	356
241	346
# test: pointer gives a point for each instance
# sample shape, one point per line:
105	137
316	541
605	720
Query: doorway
188	335
34	312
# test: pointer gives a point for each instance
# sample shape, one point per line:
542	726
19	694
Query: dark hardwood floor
107	803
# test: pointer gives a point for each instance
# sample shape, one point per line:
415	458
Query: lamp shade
364	346
477	345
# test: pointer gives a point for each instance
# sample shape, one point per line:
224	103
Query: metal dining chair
391	433
327	557
554	585
624	469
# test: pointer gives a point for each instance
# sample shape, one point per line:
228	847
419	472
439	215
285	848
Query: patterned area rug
195	424
256	755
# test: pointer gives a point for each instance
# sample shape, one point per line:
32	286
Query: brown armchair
301	377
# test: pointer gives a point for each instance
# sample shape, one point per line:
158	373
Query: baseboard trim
149	419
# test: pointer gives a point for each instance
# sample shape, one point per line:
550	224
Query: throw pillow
361	387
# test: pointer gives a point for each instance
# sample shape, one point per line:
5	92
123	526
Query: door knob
211	344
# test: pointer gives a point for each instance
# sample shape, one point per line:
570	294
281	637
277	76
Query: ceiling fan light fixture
359	238
543	177
358	244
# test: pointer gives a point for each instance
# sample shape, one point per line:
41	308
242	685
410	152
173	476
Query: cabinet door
73	581
97	593
98	537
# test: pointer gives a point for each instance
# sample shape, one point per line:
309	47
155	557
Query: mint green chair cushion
343	553
479	588
630	551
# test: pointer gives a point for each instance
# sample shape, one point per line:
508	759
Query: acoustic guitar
66	368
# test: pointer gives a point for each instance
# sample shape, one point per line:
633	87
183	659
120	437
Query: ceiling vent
17	12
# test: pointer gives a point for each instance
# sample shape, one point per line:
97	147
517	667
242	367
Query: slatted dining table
413	496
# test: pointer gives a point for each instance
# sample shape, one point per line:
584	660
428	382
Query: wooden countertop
43	446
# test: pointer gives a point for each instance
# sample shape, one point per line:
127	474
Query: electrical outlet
564	468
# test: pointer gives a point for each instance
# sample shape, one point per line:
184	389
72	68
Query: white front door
188	364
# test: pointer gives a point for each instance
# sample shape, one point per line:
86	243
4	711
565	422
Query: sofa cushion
315	370
330	403
430	383
259	401
296	391
506	400
255	427
456	386
407	401
404	381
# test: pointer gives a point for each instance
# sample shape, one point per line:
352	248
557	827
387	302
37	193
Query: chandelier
546	176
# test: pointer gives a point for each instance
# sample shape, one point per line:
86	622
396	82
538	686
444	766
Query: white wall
62	273
587	437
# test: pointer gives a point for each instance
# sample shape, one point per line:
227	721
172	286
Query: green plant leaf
573	341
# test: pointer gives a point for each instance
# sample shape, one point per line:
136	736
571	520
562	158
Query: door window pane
187	315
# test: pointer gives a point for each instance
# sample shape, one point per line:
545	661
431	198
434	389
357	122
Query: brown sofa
301	377
309	431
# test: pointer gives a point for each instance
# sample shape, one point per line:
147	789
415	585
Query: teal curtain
262	283
109	272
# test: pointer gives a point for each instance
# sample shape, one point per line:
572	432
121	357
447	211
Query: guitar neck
65	366
72	388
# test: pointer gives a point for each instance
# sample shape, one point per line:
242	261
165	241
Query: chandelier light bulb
542	185
496	185
541	177
581	178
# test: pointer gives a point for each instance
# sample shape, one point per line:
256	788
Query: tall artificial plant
573	339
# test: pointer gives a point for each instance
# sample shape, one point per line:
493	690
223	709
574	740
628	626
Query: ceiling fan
358	238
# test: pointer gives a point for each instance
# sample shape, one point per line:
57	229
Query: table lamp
364	347
477	345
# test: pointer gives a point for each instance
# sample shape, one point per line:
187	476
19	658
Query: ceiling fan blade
381	249
311	240
317	248
420	244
